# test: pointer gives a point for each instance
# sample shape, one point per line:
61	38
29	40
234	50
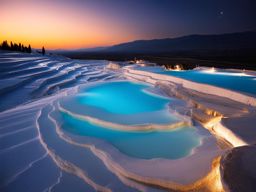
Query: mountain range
233	41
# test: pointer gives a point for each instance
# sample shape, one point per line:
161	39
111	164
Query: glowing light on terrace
233	74
177	68
211	70
215	72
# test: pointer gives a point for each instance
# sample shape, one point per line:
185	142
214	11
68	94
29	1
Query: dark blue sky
170	18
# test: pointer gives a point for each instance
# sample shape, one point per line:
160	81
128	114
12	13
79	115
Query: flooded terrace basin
239	81
127	104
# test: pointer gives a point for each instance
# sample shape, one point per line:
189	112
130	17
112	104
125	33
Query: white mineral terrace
219	99
39	152
203	88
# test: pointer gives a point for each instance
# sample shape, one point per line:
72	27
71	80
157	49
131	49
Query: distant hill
223	42
235	50
94	49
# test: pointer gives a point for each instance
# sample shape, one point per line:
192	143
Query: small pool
129	103
236	81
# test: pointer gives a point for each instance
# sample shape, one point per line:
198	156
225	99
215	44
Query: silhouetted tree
12	47
43	51
29	49
5	45
17	47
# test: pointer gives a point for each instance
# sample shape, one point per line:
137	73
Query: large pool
126	100
236	81
121	102
122	98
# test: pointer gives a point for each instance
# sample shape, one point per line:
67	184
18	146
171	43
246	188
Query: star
220	14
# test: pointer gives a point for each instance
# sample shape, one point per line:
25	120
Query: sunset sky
92	23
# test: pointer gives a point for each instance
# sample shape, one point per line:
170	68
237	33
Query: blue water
121	102
27	81
122	98
228	80
128	103
146	145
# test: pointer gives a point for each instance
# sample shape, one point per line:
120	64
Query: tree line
17	47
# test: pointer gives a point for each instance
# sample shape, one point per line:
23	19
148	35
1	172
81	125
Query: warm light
177	68
58	25
140	61
211	70
215	72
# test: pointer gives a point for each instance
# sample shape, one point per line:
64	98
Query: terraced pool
233	80
118	101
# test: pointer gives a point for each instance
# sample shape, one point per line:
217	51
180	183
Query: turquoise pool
122	98
226	79
129	103
173	144
121	102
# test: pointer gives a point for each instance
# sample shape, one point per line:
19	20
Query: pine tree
5	45
16	47
43	51
12	47
29	49
19	48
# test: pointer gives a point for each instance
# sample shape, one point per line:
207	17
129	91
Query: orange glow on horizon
53	26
